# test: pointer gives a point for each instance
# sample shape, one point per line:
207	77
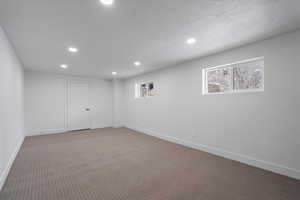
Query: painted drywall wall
261	129
11	106
118	99
46	102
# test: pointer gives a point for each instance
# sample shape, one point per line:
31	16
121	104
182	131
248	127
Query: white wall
118	106
46	102
261	129
11	106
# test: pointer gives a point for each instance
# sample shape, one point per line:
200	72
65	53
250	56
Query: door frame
68	102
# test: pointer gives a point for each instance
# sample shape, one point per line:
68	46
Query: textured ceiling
151	31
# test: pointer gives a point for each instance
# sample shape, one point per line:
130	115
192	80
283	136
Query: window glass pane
143	90
248	75
151	89
219	80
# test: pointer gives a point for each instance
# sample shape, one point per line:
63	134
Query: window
244	76
143	90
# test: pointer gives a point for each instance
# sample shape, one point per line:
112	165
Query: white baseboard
62	130
11	160
47	132
101	126
118	126
279	169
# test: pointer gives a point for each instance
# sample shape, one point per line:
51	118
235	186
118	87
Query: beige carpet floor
121	164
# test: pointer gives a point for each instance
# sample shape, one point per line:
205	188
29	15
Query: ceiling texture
153	32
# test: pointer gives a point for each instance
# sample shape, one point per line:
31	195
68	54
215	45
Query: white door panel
78	109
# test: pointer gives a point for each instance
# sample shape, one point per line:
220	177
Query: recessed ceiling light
191	41
73	49
64	66
107	2
137	63
114	73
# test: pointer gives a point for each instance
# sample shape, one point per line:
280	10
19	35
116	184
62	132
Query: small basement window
143	90
243	76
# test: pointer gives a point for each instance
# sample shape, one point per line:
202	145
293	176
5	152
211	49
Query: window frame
232	65
137	88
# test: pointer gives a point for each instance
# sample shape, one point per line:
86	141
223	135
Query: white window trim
204	78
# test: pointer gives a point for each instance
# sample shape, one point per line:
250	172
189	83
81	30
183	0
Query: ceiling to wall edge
197	58
13	47
177	64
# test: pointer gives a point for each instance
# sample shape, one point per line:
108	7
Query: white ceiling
151	31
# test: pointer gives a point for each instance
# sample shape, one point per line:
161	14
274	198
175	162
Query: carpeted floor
120	164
